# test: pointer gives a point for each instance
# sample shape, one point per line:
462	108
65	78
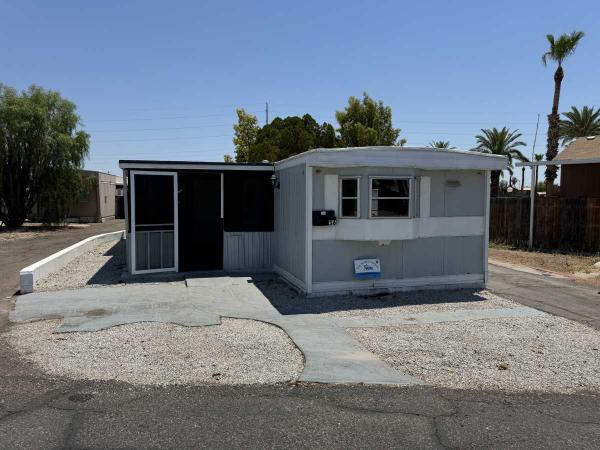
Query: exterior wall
247	251
87	207
451	199
363	172
441	243
290	222
107	189
448	199
580	180
99	204
430	257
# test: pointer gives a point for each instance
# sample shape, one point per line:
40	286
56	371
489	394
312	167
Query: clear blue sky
162	79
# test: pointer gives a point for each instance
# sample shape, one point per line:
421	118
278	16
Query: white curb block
52	263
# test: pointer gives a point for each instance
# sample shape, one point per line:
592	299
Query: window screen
153	199
390	197
248	201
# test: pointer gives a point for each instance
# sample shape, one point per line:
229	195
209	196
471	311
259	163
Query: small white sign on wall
367	268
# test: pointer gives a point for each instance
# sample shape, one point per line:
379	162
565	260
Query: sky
162	80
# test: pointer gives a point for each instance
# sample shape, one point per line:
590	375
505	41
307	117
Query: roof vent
591	138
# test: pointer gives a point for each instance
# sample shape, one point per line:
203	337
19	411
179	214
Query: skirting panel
406	284
247	251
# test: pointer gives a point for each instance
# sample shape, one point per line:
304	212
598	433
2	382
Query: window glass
349	197
390	187
349	187
349	207
390	197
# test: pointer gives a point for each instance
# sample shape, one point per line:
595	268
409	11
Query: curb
30	274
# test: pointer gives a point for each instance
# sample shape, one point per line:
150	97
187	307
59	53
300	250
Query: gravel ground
527	354
287	301
235	352
101	265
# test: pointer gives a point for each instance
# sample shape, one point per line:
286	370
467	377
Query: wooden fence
559	223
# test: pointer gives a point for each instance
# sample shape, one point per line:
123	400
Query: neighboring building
328	221
580	168
99	203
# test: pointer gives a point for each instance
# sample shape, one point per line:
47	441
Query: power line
127	130
162	139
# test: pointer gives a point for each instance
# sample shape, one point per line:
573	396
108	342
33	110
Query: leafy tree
227	158
579	123
440	144
367	122
245	132
41	152
500	142
283	138
560	49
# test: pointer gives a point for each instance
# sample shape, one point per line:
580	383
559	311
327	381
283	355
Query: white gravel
101	265
235	352
526	354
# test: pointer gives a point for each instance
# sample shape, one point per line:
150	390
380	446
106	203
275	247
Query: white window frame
357	198
409	198
134	270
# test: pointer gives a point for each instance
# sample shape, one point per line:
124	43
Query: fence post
532	205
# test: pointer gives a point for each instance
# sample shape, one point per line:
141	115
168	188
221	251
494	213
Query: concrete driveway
331	354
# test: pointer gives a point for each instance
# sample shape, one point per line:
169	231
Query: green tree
440	144
579	123
560	49
245	132
286	137
367	122
41	152
500	142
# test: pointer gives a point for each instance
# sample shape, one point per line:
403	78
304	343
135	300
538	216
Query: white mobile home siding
290	223
430	248
247	251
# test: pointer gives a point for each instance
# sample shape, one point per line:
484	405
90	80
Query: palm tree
523	173
537	157
500	142
440	144
560	49
579	123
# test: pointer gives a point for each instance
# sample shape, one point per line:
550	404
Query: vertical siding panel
247	251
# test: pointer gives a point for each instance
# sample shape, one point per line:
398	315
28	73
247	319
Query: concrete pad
331	354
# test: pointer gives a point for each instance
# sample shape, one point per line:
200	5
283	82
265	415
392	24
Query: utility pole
534	173
267	113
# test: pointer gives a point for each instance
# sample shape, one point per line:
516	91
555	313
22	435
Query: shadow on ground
289	302
111	270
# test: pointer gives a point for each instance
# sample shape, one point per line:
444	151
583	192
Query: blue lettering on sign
367	268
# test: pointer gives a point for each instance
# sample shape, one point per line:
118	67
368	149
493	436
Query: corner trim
291	279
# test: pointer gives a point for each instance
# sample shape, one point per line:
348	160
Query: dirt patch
35	230
576	266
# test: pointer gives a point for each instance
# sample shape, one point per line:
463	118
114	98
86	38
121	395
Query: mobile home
328	221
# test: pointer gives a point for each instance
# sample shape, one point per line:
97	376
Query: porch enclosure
559	223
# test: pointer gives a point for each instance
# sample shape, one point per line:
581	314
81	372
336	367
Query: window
248	201
349	197
390	197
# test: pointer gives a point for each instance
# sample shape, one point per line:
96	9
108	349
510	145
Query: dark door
200	223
